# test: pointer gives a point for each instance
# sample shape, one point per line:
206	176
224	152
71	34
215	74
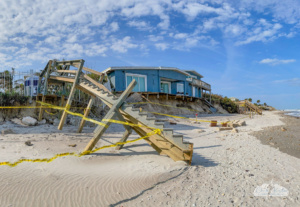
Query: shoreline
285	138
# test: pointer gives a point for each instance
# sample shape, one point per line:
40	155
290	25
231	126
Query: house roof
110	69
194	72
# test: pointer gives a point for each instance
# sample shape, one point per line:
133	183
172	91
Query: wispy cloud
276	61
263	31
293	81
161	46
140	25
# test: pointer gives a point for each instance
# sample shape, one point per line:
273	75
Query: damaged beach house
160	81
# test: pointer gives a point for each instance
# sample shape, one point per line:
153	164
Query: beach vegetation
225	102
10	99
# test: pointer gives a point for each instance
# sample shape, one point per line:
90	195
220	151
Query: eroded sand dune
226	169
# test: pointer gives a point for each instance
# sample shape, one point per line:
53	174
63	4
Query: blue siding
120	80
153	79
113	78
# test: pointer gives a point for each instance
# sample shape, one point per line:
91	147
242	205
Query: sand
226	169
286	138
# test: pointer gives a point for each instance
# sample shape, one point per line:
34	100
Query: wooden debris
224	128
213	123
283	129
28	143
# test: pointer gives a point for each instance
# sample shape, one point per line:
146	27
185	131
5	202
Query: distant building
234	99
167	80
31	84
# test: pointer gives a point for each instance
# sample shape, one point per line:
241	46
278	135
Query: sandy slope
226	169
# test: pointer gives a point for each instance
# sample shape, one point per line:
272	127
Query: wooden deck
166	96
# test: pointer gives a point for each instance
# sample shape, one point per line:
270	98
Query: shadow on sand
148	189
198	160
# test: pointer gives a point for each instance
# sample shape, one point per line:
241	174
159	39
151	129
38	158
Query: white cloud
123	45
161	46
234	29
140	25
148	8
114	26
52	39
276	61
193	9
263	32
181	36
155	38
37	30
287	10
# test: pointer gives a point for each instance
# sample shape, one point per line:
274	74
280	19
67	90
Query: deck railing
199	83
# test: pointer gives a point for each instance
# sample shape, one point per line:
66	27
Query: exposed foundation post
126	133
62	100
71	96
123	139
45	88
86	113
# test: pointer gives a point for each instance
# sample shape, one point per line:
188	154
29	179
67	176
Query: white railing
200	83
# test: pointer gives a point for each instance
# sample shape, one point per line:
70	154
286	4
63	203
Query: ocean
293	112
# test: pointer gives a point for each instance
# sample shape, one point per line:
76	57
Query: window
180	88
140	79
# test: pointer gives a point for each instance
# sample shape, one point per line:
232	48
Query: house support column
126	133
71	96
201	91
86	113
62	99
45	88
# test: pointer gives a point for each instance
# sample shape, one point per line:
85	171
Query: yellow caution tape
51	113
47	160
94	121
73	113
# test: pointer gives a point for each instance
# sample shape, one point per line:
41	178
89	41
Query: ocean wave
295	113
292	110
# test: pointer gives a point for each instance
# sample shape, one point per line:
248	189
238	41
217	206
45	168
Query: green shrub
229	105
225	102
9	99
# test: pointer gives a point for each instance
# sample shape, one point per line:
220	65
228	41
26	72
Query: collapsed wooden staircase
211	107
167	143
244	105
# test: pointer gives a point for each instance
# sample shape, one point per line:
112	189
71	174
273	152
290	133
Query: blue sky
243	48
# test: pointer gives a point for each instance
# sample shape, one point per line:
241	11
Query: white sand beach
226	168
